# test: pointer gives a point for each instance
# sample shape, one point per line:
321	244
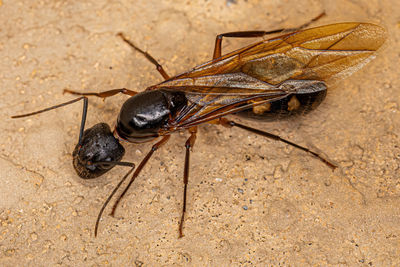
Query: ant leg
82	128
189	145
84	112
139	169
104	94
243	34
252	34
96	227
229	124
159	68
305	25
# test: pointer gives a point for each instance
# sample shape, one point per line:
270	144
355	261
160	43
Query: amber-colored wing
325	53
235	92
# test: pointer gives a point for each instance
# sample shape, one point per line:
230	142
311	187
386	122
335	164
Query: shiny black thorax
143	115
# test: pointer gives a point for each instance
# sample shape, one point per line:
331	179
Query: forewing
325	53
256	74
207	103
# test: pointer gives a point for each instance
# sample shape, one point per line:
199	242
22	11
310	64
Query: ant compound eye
98	145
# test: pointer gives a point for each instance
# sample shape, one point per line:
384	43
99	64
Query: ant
271	79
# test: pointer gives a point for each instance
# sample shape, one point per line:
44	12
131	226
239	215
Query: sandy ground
251	201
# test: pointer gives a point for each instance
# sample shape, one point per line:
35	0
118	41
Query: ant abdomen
97	147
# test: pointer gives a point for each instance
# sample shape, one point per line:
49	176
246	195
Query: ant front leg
253	34
104	94
154	148
97	150
159	68
189	145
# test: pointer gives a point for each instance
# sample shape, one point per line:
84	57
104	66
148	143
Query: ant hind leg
252	34
229	124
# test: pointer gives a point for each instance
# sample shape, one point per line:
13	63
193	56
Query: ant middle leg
159	68
189	145
253	34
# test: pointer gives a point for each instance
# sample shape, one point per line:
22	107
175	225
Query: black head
98	145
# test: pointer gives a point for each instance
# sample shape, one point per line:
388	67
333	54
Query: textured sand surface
251	201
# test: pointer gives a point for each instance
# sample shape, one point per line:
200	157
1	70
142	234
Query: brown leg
189	144
159	68
228	123
96	227
104	94
139	169
244	34
253	34
85	104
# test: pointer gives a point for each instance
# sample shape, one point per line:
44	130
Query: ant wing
232	93
263	71
326	53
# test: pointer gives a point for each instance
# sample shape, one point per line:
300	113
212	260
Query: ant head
97	147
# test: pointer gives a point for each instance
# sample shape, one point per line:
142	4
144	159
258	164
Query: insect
269	79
